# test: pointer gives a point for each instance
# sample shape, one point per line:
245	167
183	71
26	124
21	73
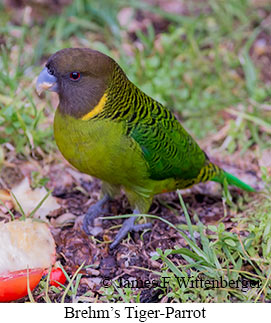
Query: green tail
232	180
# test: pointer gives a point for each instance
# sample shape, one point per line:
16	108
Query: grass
221	257
201	68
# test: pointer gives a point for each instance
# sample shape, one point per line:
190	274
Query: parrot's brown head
80	76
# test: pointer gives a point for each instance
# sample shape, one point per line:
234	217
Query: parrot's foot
93	212
128	226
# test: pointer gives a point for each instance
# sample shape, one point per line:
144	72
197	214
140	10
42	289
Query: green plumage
134	142
168	149
108	128
232	180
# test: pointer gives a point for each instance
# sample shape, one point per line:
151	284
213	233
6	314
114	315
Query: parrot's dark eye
50	70
75	76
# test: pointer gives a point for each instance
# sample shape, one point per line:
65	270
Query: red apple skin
57	276
13	285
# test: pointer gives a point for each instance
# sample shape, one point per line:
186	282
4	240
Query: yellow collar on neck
97	109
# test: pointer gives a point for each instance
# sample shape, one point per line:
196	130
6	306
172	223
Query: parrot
105	126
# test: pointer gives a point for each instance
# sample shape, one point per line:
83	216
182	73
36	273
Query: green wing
168	149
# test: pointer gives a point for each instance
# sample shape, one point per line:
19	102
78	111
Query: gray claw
128	226
93	212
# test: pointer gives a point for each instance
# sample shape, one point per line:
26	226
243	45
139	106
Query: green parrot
106	127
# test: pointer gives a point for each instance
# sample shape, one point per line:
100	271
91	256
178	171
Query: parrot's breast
101	149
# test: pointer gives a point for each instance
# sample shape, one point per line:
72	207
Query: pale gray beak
46	81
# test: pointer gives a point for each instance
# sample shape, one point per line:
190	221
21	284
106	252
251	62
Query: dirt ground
75	192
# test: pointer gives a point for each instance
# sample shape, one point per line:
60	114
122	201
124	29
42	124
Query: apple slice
13	285
23	245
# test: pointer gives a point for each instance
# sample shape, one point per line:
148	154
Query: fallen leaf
29	199
65	219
